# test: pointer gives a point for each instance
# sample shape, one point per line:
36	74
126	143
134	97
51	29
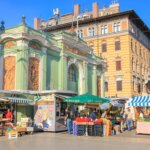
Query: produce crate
98	130
13	135
78	130
91	130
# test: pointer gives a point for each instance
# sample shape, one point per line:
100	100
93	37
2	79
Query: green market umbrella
86	98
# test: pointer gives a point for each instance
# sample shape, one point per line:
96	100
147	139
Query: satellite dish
56	11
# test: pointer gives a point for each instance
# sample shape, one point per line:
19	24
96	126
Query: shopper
76	112
92	115
69	123
9	115
129	118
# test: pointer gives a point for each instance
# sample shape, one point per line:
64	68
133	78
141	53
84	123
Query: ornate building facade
121	38
38	61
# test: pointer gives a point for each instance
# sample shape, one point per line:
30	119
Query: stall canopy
140	101
20	100
86	98
113	103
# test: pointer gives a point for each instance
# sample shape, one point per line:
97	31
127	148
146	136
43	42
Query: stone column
63	71
1	68
22	65
94	80
43	69
102	84
85	77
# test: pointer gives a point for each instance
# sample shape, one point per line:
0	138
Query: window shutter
118	65
117	45
119	85
104	47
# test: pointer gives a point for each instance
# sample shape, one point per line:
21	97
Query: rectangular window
91	32
117	27
80	33
118	65
119	85
117	45
104	29
104	47
106	86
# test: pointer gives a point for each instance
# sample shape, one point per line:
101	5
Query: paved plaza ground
62	141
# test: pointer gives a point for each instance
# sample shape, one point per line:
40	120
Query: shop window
118	65
119	85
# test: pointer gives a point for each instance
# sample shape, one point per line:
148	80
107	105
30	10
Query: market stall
3	107
142	105
50	111
85	124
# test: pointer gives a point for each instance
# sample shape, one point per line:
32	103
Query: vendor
9	114
92	115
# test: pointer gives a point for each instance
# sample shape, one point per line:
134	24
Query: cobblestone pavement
62	141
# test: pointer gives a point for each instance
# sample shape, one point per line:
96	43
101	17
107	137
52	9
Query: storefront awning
140	101
20	100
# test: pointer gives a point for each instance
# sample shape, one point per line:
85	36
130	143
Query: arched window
72	73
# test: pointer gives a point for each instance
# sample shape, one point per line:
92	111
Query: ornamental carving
9	44
9	73
35	45
75	51
33	81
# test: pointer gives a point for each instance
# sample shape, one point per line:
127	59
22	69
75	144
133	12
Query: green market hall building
36	61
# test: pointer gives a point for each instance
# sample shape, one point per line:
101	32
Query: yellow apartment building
121	38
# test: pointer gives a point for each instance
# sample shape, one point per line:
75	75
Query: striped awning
117	104
20	100
140	101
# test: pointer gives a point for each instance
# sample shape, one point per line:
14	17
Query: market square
79	76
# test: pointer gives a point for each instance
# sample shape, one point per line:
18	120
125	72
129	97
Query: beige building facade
121	38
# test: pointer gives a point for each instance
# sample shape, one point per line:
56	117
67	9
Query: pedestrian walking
68	121
129	118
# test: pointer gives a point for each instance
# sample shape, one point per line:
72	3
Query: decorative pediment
75	51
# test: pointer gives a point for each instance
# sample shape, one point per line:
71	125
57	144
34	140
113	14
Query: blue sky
12	10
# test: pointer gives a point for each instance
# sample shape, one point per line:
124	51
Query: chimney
76	9
37	23
95	10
